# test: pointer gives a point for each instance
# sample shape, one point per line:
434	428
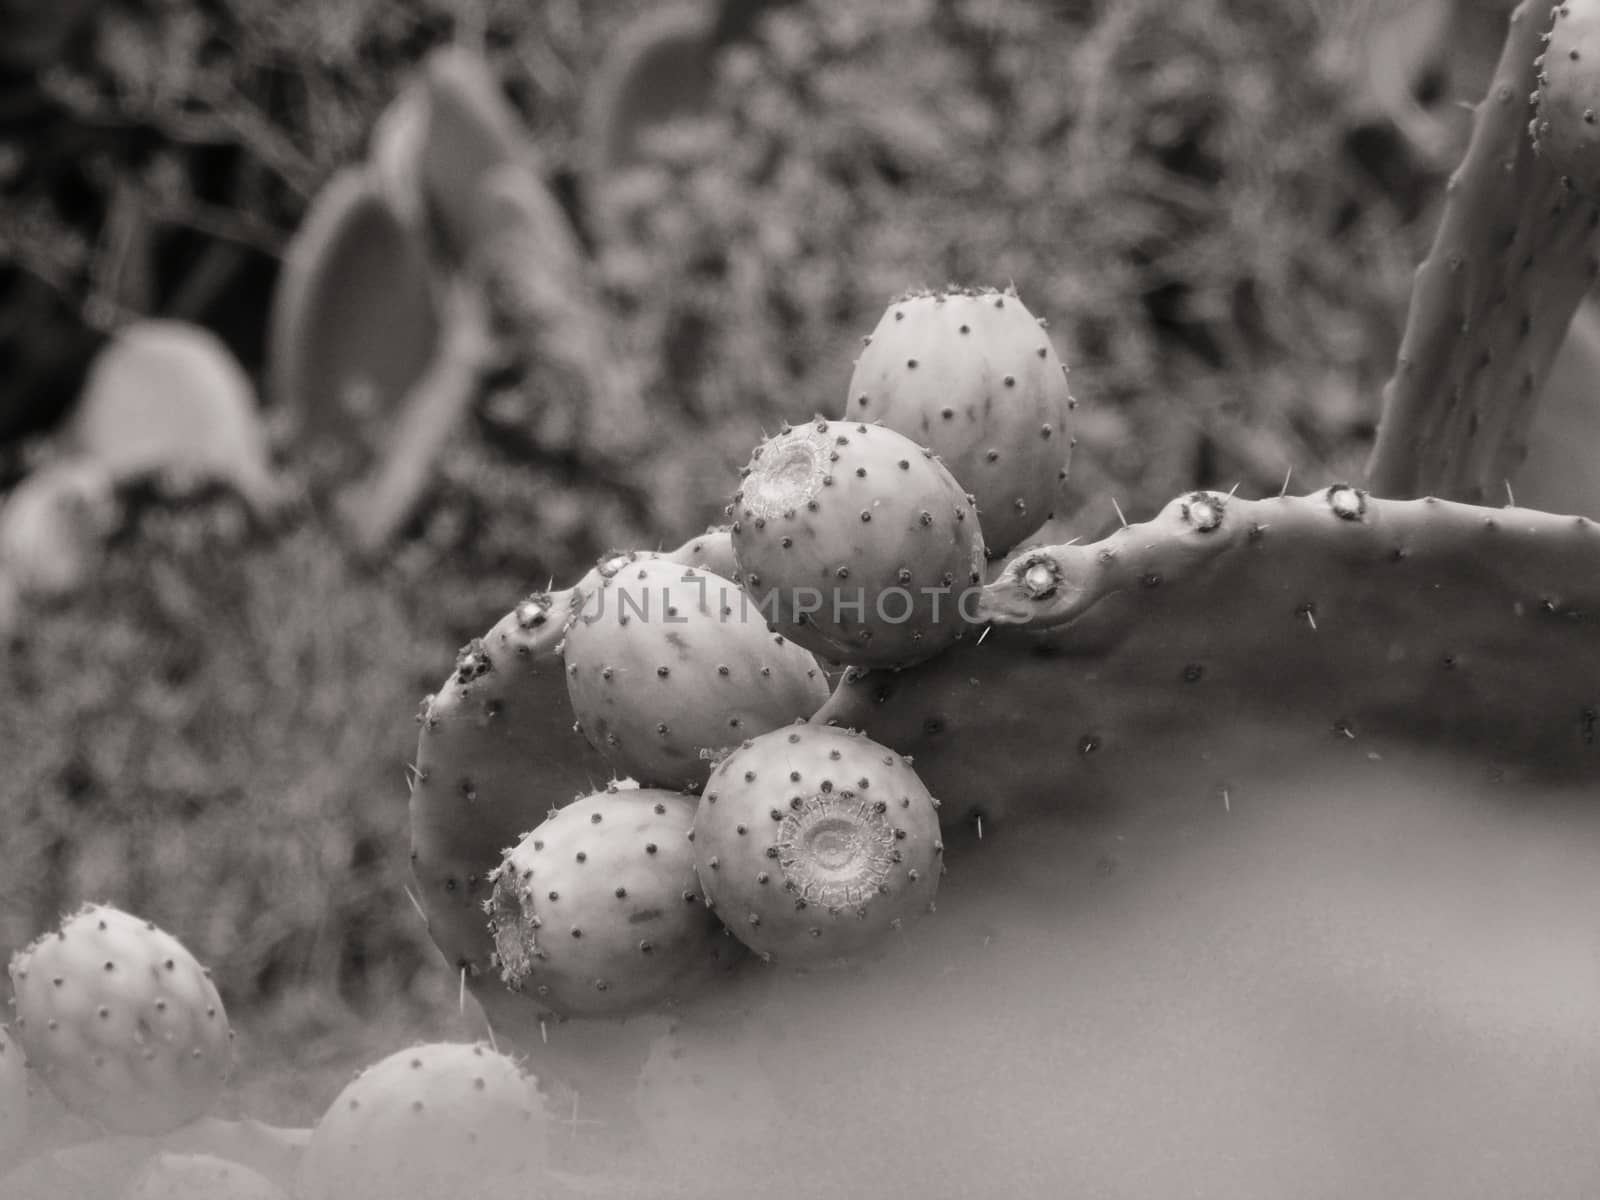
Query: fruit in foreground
814	844
971	374
598	910
122	1022
436	1120
857	543
668	664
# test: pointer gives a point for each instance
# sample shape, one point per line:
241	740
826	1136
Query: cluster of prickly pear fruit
852	540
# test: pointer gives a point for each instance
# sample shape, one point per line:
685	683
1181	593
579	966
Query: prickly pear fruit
972	375
598	910
497	750
1566	129
813	843
122	1022
354	322
437	1120
199	1177
668	665
857	543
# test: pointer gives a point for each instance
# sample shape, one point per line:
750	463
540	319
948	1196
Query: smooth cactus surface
122	1022
668	666
199	1177
354	324
857	542
1513	255
1566	127
16	1101
814	844
169	399
1334	619
497	752
436	1120
971	374
598	911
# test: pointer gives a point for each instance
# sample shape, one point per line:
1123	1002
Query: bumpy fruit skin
497	752
598	910
972	375
814	843
668	665
122	1022
448	1119
1566	130
200	1177
857	543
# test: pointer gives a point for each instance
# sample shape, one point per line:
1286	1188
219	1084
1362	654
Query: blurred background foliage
1216	205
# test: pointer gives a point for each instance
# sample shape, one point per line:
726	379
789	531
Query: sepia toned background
1217	205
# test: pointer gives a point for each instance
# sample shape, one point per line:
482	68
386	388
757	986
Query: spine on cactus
1513	255
354	324
1337	620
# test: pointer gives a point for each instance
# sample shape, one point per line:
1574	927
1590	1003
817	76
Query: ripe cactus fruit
857	543
813	843
436	1120
1566	128
971	374
667	665
598	910
497	751
354	324
199	1177
1480	336
122	1022
1334	619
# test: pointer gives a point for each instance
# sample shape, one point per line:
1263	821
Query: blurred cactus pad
214	729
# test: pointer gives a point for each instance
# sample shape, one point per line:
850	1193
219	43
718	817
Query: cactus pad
1153	657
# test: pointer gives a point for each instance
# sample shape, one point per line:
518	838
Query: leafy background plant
214	734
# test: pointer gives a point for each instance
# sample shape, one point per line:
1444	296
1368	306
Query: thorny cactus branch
1513	256
1159	655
